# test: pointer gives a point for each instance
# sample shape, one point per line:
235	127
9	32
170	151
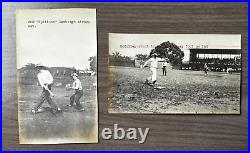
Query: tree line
165	50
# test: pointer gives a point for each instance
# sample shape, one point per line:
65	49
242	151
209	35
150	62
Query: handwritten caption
36	23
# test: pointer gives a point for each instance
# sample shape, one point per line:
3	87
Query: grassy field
184	91
69	125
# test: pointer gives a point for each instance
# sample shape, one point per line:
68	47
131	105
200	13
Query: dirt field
70	125
184	91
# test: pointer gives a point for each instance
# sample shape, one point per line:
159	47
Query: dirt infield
184	91
69	125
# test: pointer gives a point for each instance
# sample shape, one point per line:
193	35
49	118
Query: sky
56	44
132	44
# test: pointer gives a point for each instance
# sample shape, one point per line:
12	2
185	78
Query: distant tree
141	58
170	51
92	63
30	66
28	71
117	59
117	55
126	58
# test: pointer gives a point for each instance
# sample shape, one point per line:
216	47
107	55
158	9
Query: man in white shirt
45	80
164	68
77	86
153	62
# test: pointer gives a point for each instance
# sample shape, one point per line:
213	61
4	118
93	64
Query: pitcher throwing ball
77	86
153	62
45	79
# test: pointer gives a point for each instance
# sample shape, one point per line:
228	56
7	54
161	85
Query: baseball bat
51	93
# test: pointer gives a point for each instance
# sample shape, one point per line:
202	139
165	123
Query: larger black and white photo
57	78
174	73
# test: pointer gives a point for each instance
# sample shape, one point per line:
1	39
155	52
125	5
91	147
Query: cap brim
39	66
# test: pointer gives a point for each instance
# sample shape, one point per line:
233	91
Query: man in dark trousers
164	68
77	86
205	69
45	79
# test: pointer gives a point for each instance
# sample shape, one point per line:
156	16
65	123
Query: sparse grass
185	92
69	125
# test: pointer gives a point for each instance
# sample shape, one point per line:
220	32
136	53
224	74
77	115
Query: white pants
153	77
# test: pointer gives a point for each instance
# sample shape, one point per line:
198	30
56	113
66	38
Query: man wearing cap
77	86
45	80
153	67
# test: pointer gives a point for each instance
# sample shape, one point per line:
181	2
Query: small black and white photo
57	76
174	73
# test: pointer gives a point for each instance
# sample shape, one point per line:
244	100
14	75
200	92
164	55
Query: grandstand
216	59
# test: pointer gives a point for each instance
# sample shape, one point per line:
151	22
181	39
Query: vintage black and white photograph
57	76
174	73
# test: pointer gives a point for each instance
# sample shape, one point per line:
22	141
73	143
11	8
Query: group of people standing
45	80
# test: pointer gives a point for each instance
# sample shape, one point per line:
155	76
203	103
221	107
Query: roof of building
215	51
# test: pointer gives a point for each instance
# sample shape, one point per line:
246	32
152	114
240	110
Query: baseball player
77	86
205	69
153	62
45	80
164	68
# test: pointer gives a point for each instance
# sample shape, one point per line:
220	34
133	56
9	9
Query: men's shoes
33	111
36	111
81	109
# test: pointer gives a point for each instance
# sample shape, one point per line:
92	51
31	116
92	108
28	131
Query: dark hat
74	74
39	66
